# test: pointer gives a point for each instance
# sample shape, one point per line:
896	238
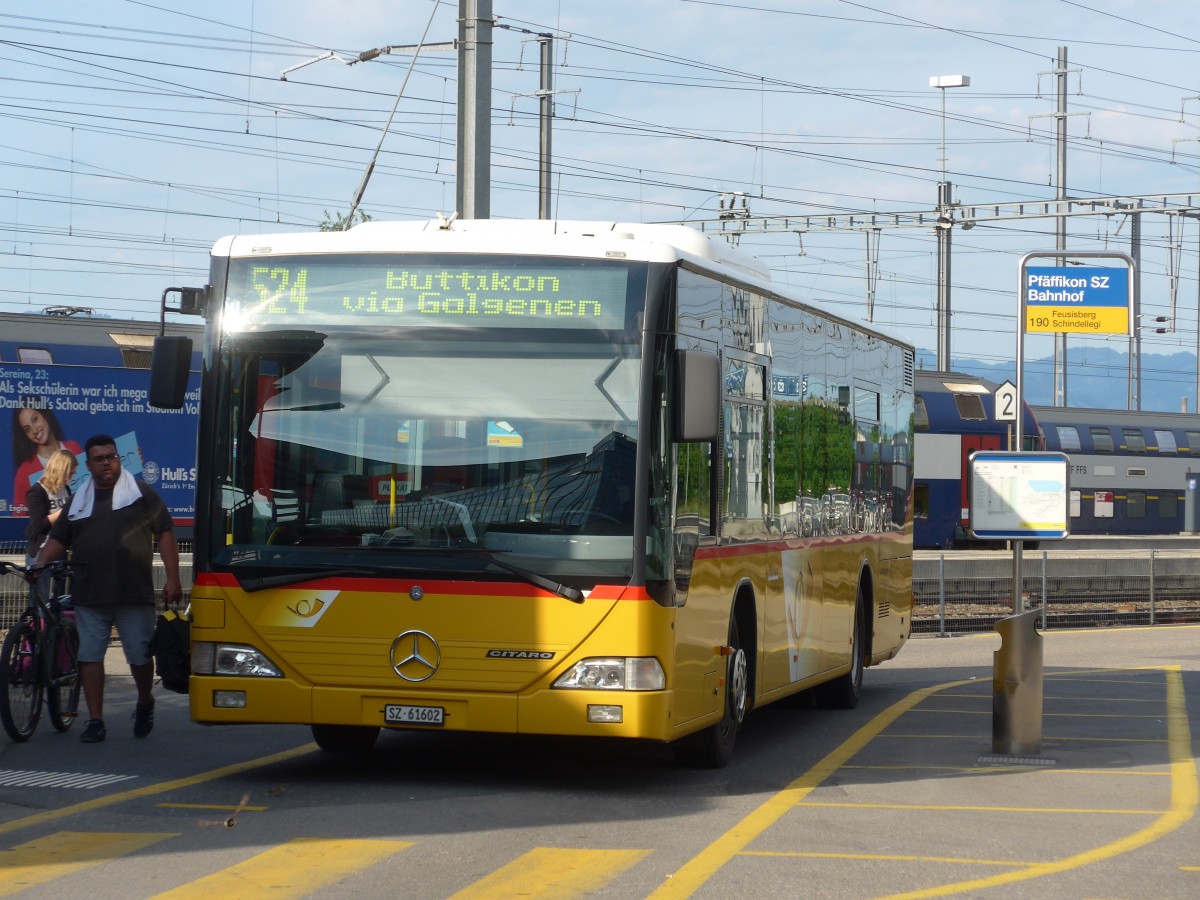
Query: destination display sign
1081	299
446	293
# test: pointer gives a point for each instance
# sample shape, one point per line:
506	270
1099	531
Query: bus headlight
616	673
210	658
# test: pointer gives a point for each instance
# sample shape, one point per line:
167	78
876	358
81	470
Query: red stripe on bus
468	588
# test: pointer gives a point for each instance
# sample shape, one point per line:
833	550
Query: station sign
1077	299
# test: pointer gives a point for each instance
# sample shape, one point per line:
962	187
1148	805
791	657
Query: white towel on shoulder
125	493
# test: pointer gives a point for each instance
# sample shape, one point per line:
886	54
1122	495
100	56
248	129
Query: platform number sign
1006	402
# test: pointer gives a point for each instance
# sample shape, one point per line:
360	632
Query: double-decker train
67	375
954	416
1129	470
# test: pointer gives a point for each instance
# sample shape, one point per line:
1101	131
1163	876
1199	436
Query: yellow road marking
553	872
994	769
151	790
295	869
220	806
705	864
1004	809
1064	697
1185	796
65	853
890	857
1045	715
974	737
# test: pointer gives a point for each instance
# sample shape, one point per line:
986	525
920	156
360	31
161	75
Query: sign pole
1061	299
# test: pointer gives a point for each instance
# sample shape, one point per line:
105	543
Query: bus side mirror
169	363
697	396
192	300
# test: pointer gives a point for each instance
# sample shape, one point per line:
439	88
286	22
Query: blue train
954	416
1129	471
65	377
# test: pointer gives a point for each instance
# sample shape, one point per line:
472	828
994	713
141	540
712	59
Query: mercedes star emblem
415	656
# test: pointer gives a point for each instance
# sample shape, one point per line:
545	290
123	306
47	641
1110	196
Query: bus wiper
569	593
565	591
251	585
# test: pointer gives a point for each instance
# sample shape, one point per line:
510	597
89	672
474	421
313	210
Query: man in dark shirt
109	528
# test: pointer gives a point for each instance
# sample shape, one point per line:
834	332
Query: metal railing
14	592
963	592
957	592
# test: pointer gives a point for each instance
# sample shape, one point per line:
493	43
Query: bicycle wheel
20	681
62	693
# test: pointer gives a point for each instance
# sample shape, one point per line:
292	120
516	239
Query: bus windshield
444	449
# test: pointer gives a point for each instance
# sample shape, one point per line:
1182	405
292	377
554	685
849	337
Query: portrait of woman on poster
46	501
36	437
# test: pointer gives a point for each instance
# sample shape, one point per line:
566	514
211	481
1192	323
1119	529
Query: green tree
340	223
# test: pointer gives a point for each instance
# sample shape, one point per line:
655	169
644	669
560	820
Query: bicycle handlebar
35	571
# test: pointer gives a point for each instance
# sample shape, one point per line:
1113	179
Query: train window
1102	441
1135	441
921	416
1165	441
1135	505
35	356
920	501
1068	438
970	406
1168	505
135	349
1193	439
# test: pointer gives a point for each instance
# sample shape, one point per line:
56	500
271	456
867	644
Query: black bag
172	650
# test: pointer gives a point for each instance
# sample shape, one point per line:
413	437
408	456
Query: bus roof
554	237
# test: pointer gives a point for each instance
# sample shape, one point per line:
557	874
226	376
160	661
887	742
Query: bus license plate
414	715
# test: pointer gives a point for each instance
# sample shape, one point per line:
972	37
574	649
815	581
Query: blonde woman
46	500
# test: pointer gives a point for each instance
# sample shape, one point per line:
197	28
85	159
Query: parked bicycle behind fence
40	656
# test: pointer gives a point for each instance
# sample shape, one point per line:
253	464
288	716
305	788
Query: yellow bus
536	477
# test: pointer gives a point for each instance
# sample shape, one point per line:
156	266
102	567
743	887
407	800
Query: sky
135	134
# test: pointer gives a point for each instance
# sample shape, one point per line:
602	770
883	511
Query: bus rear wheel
843	692
712	748
345	738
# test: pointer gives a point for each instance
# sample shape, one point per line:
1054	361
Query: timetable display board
1019	496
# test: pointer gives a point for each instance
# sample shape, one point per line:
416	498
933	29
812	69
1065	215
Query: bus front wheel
345	738
712	748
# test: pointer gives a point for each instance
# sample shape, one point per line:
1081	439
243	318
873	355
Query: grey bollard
1017	686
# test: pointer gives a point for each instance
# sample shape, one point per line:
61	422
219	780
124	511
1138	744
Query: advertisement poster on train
49	407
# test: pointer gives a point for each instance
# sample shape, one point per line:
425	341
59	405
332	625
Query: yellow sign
1084	319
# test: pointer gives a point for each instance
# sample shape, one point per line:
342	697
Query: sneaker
143	719
93	731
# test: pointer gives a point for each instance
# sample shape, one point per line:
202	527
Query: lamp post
945	224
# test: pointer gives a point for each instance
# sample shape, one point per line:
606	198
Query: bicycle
40	657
